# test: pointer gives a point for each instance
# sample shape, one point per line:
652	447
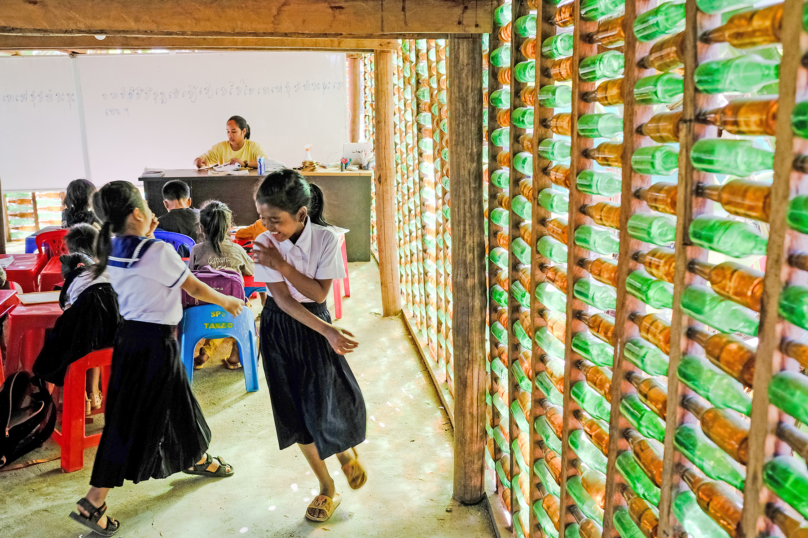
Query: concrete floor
408	455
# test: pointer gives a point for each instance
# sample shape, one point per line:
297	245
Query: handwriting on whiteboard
192	94
36	98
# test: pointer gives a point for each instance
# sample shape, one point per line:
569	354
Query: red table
51	275
25	269
8	300
26	333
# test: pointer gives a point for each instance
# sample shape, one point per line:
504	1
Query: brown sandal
324	503
355	472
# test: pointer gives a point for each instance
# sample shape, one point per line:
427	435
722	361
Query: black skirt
153	425
315	396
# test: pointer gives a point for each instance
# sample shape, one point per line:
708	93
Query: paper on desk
229	173
39	298
5	262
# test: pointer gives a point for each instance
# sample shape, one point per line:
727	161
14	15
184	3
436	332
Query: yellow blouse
222	153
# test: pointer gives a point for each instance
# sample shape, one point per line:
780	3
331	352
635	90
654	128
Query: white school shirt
151	290
316	255
84	281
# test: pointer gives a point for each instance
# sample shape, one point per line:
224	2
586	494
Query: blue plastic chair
181	243
211	321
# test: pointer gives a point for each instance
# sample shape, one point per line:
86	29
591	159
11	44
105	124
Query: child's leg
203	357
97	497
94	387
233	361
327	486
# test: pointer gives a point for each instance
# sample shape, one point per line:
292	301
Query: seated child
90	319
181	217
217	251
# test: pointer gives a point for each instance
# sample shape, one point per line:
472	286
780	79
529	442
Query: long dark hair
288	190
242	124
77	208
114	203
215	218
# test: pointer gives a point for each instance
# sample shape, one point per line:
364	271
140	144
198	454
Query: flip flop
231	366
325	503
91	521
355	472
201	469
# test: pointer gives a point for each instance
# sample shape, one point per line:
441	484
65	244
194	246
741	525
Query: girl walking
154	426
316	400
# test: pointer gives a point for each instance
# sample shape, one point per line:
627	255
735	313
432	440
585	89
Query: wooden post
354	97
468	257
385	178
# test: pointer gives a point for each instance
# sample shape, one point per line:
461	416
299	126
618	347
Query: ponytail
215	218
242	124
288	190
317	205
113	203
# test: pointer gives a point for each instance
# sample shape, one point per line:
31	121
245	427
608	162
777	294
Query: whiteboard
40	138
164	110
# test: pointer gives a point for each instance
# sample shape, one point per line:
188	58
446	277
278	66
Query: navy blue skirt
315	396
153	425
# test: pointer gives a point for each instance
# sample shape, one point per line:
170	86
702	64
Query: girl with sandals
153	425
315	398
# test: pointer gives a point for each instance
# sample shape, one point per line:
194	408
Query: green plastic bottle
547	478
624	525
788	391
793	306
522	252
600	125
501	138
499	256
501	99
499	439
593	349
554	201
608	64
499	332
797	214
544	520
787	478
599	183
642	418
522	207
594	10
520	294
549	389
648	358
519	416
500	57
587	451
500	217
553	149
694	520
585	502
656	229
730	237
704	454
556	96
548	435
713	7
501	178
595	294
523	162
526	26
655	160
503	479
703	304
737	157
552	249
661	89
499	295
799	117
498	403
714	385
665	19
551	297
590	401
522	117
500	370
525	72
655	293
557	46
549	343
503	14
597	239
743	74
636	477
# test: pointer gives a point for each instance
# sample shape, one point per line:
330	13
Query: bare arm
268	255
199	290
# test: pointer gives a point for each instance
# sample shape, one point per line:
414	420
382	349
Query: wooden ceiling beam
246	18
51	42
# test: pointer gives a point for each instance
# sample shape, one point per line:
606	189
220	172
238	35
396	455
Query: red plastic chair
338	284
51	275
55	241
72	439
26	333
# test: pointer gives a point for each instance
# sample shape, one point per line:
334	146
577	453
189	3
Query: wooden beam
385	178
245	18
86	42
354	97
465	79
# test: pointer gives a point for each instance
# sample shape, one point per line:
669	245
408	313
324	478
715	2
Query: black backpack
27	416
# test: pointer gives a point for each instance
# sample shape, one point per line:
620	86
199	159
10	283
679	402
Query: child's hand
233	306
153	226
268	255
341	340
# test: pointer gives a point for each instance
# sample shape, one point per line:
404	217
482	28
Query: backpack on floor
27	416
225	281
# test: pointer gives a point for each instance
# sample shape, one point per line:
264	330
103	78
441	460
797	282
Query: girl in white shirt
316	401
153	425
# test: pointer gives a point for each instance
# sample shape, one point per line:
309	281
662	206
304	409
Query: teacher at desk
238	148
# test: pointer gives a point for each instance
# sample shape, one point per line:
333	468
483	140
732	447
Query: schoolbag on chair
225	281
27	416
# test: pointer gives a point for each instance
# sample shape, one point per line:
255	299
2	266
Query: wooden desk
347	199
